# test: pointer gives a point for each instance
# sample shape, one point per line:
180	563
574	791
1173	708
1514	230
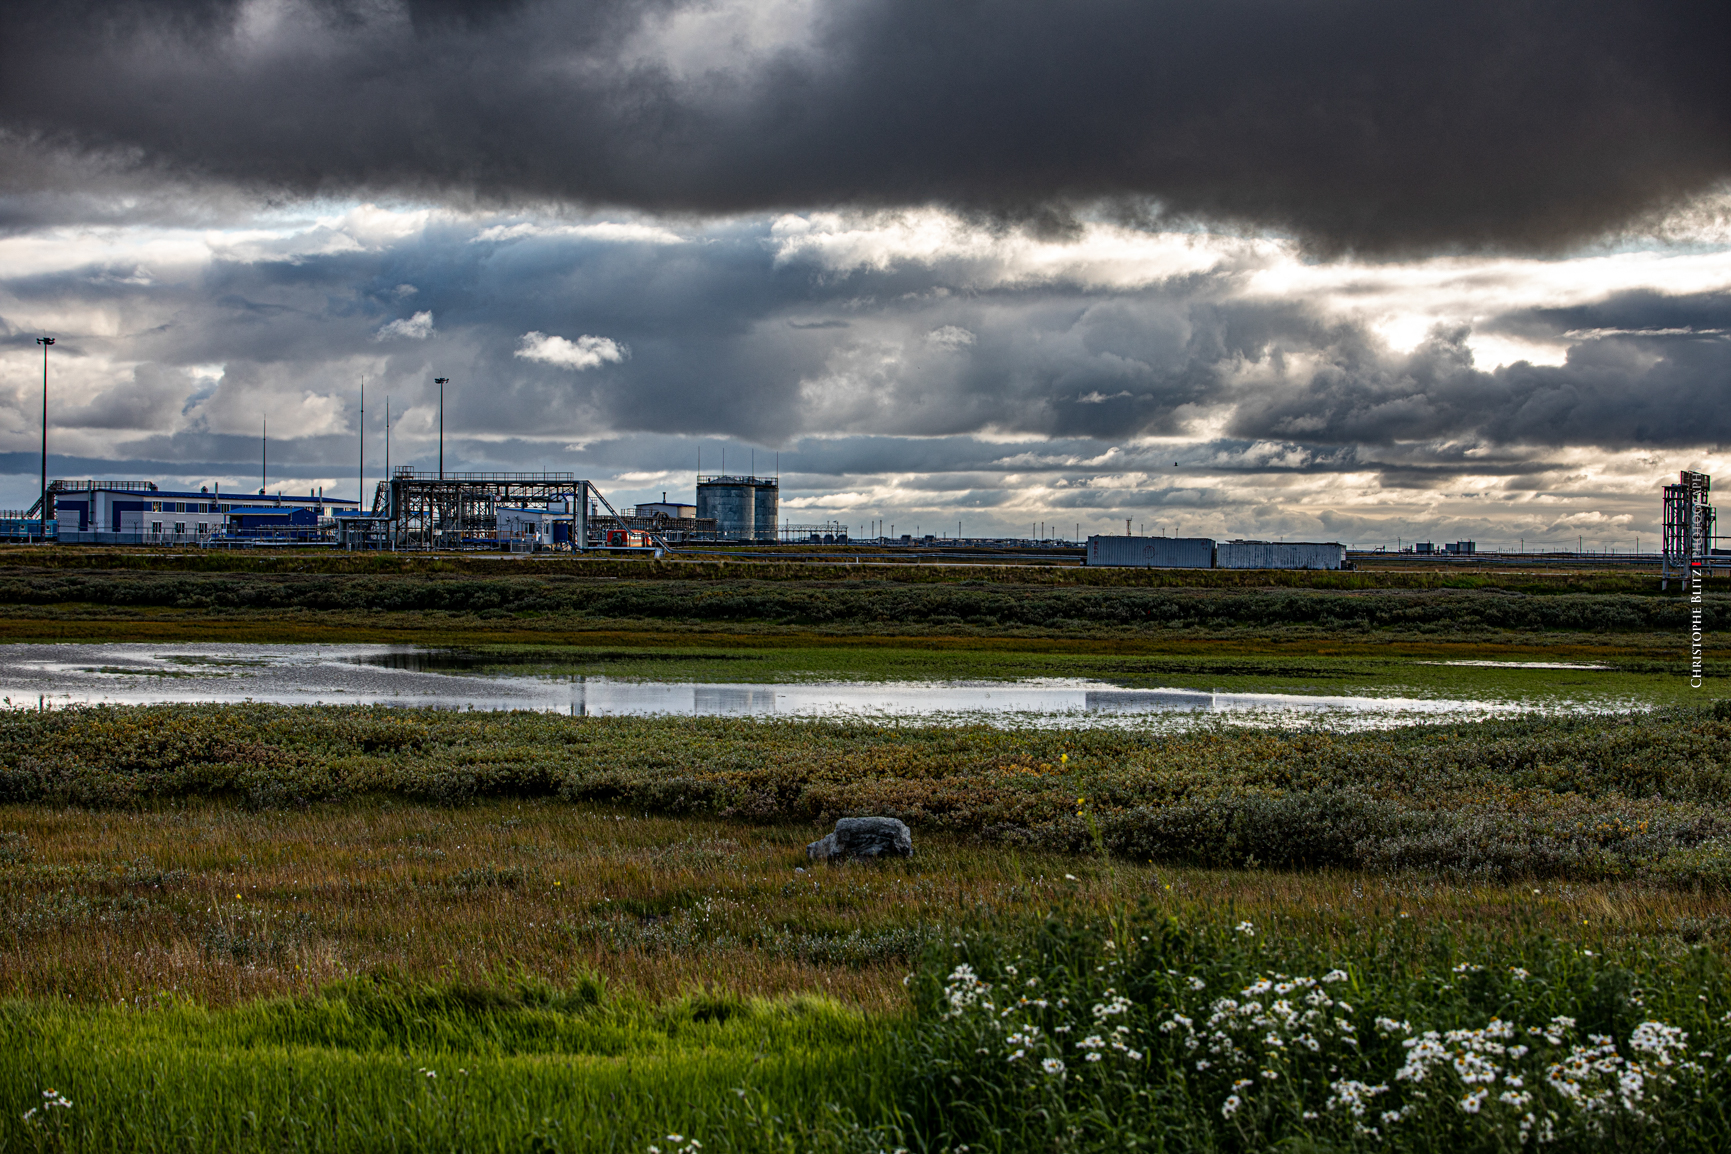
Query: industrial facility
743	508
537	512
139	513
508	512
1687	535
1203	553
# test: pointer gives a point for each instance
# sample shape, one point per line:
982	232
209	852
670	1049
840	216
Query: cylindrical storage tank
1152	552
766	511
732	502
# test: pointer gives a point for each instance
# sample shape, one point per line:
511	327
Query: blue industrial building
138	513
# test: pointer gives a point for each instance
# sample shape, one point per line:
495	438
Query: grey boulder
863	837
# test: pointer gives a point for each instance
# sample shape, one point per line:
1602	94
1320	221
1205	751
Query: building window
203	528
156	527
180	528
156	507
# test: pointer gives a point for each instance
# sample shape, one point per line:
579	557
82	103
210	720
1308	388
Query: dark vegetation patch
871	603
1583	798
884	567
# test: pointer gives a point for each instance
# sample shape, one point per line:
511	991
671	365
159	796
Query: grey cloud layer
726	341
1356	124
1647	386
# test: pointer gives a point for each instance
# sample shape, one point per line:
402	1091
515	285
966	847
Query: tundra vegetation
264	928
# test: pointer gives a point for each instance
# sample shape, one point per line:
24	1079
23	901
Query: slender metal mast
44	342
441	382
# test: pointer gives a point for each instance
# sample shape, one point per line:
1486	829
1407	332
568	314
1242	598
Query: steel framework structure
1688	531
451	511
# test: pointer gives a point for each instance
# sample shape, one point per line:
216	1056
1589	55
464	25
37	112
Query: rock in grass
863	837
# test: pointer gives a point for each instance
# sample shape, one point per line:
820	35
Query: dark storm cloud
1354	123
1642	371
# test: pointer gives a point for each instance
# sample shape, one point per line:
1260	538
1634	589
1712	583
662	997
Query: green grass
199	975
382	1066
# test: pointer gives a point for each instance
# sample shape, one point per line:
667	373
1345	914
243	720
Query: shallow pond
51	676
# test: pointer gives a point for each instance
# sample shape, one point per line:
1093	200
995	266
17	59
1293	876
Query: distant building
669	510
1279	555
535	527
138	513
271	523
1151	552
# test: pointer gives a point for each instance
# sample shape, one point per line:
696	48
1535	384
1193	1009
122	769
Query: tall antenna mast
263	454
361	474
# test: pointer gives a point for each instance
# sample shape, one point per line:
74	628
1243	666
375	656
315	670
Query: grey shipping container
1152	552
1279	555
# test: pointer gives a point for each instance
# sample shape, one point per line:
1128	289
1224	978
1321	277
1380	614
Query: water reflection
49	676
418	660
1145	700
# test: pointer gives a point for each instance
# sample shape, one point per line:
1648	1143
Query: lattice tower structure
1688	527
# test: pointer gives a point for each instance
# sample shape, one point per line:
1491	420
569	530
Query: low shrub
1641	794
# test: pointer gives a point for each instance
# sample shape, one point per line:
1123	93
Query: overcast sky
1356	271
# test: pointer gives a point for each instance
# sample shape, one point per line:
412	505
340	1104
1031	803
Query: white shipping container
1152	552
1279	555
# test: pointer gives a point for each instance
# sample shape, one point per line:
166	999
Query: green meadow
353	929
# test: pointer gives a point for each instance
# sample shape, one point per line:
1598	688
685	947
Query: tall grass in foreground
367	1067
1081	1034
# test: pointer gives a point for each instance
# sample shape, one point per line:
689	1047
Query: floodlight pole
441	382
361	472
44	342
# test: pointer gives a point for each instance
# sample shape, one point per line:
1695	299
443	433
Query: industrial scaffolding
415	510
1688	531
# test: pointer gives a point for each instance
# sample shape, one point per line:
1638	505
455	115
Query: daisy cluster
1111	1040
53	1101
1048	1036
1536	1082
